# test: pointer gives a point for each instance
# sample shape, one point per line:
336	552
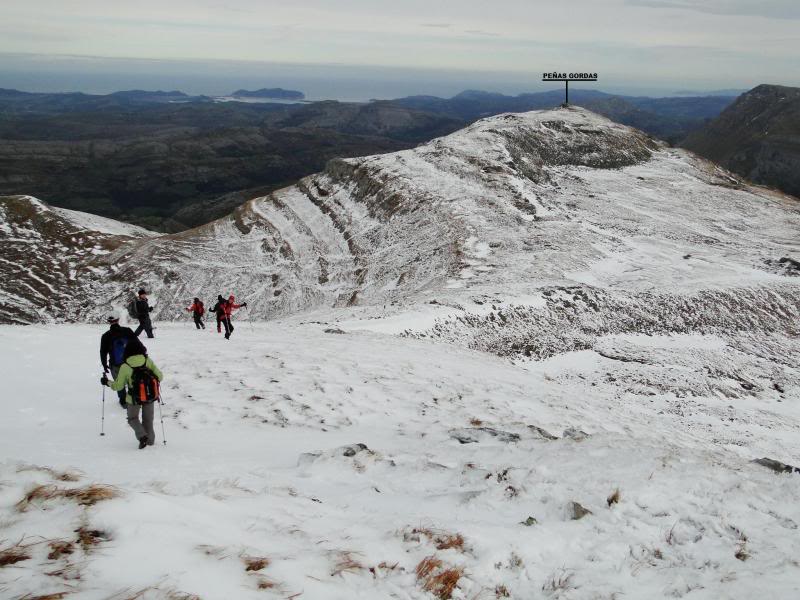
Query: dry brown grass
85	496
58	475
442	540
14	554
89	538
501	591
59	548
265	584
436	579
55	596
614	498
255	563
427	566
475	422
383	566
346	563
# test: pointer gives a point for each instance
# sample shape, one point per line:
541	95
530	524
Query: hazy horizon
97	75
369	48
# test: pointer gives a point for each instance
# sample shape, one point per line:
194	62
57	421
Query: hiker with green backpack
141	377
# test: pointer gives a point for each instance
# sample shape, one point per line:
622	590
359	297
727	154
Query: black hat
112	319
142	291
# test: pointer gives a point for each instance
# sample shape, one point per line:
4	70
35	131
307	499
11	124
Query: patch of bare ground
53	596
437	578
85	496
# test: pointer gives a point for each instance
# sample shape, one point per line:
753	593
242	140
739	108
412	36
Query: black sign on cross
566	78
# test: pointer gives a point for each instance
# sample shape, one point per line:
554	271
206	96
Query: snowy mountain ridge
514	203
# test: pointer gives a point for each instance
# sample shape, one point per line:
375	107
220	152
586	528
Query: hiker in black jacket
219	310
112	350
143	310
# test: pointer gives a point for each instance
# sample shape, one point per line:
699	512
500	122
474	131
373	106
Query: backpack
201	310
144	386
118	350
132	309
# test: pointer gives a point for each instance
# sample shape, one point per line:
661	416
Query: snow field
262	462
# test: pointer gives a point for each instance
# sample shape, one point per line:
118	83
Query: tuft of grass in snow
559	581
14	554
59	548
255	563
442	540
434	578
501	591
58	475
346	563
614	498
89	538
55	596
85	496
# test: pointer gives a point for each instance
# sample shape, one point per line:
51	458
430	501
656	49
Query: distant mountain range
758	137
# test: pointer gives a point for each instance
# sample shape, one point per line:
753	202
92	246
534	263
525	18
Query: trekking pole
161	415
103	415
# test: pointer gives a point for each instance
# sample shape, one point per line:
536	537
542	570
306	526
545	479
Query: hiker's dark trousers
228	326
143	428
219	324
144	325
198	321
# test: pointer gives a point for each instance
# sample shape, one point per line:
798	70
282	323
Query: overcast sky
705	42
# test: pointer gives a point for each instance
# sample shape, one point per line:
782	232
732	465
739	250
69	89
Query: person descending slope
112	350
198	310
143	310
219	310
142	378
230	306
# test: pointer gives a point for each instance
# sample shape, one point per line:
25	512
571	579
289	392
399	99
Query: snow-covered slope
49	259
263	490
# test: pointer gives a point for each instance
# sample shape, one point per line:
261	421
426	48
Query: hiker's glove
149	309
104	380
244	303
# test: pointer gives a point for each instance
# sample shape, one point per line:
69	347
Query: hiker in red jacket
198	310
229	306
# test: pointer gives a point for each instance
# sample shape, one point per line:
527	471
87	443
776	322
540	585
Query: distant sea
35	73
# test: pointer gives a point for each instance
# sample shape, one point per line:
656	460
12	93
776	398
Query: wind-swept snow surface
307	462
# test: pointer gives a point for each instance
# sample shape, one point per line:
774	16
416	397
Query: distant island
273	93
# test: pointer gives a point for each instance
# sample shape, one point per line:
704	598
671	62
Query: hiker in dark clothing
143	310
136	359
112	350
198	310
219	310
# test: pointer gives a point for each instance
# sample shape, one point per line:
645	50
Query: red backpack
201	310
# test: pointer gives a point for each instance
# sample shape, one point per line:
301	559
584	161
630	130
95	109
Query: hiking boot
123	404
142	442
227	336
